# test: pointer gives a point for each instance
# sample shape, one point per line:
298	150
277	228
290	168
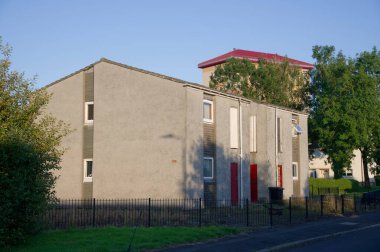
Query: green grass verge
117	239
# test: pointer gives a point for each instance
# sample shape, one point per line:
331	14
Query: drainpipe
241	150
276	144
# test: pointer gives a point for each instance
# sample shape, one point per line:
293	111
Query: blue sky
55	38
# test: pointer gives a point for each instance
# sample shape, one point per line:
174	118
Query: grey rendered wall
224	154
261	156
193	171
66	104
270	138
139	134
285	157
246	160
304	157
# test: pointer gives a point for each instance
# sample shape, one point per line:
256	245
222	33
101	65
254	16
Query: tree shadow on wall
219	187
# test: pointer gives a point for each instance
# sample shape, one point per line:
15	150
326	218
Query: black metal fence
194	212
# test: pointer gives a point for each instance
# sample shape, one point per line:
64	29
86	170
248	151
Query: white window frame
253	134
211	103
347	173
234	128
86	121
280	135
85	178
212	168
296	164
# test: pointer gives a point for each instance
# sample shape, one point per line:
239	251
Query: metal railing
194	212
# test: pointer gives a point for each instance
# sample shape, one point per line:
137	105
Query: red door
279	174
234	184
253	173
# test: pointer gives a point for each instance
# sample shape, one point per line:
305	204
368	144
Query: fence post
321	205
336	203
290	210
149	213
93	212
247	208
354	203
342	204
307	207
200	212
271	213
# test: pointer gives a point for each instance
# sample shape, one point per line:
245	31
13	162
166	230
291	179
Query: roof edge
186	83
220	61
121	65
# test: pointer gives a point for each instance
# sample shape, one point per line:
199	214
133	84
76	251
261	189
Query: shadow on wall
193	185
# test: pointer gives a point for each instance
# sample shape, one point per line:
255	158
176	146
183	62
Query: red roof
254	57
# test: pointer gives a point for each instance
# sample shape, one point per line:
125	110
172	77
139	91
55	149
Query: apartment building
139	134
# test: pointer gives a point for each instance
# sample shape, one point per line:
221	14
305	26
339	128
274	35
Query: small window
253	134
295	170
347	172
313	173
279	135
208	111
89	113
234	130
208	168
87	170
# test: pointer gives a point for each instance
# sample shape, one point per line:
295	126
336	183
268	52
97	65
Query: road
363	240
355	233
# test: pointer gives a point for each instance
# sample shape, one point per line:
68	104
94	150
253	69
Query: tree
29	153
272	82
367	80
345	106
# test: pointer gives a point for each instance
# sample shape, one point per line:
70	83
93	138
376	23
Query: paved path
286	237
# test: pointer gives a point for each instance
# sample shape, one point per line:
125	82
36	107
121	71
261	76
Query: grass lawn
117	239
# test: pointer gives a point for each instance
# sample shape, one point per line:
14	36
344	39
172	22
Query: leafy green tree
272	82
345	106
29	153
367	80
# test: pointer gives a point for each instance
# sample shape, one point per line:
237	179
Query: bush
25	189
342	184
29	152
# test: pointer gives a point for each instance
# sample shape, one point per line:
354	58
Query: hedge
342	184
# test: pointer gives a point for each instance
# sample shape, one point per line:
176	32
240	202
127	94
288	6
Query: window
208	111
234	128
208	167
253	134
313	173
347	172
295	170
279	135
89	112
87	170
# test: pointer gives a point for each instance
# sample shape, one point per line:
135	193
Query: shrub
25	189
342	184
29	152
